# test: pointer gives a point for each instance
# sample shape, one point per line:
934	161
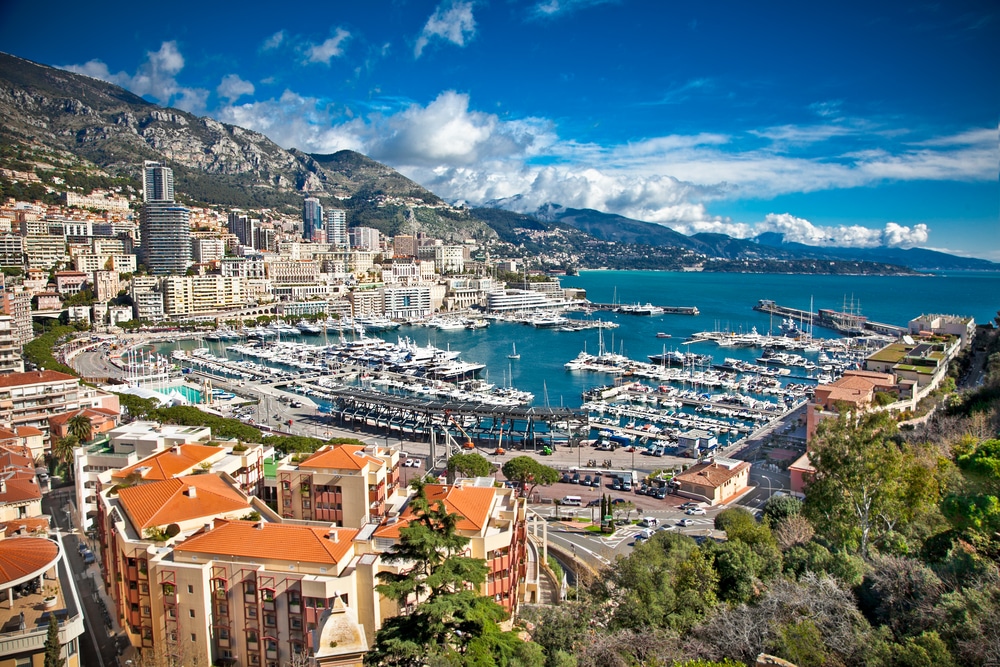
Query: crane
468	444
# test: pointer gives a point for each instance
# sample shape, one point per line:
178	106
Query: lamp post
768	486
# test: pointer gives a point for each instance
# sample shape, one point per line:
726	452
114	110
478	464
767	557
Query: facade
17	304
187	295
164	225
45	251
515	299
405	302
29	399
10	352
120	262
449	259
348	485
293	272
70	282
365	238
11	250
312	220
336	228
107	284
208	250
404	245
246	267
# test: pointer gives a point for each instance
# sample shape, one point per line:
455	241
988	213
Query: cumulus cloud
452	22
329	49
800	230
156	78
232	87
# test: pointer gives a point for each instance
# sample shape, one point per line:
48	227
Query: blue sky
849	123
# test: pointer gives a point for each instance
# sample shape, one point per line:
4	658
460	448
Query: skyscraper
312	218
336	227
164	224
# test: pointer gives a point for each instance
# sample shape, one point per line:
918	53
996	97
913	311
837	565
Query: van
648	522
574	501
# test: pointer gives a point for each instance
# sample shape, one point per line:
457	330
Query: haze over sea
725	301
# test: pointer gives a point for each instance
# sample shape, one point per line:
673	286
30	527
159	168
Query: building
11	250
336	228
20	493
36	582
164	225
208	250
947	325
365	238
29	399
101	421
404	245
188	295
107	284
312	220
492	519
349	485
714	482
406	302
70	282
10	352
17	304
515	299
449	259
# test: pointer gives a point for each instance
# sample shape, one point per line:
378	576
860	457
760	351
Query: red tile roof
33	377
90	413
19	487
249	539
341	457
27	524
27	431
171	501
472	503
21	557
169	463
711	474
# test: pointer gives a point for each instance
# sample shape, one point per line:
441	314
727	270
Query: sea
725	303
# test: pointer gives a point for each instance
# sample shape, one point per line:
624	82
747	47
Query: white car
695	510
685	522
408	463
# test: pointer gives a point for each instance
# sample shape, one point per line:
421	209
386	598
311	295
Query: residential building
285	272
29	399
947	325
365	238
246	267
491	518
349	485
208	250
405	302
449	259
336	228
45	251
312	220
107	284
11	250
70	282
120	263
404	245
20	494
101	200
714	482
101	421
10	352
164	225
186	295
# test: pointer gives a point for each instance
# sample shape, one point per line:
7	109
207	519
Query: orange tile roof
27	431
472	503
711	474
20	488
90	413
170	462
33	377
28	524
9	459
249	539
23	556
341	457
169	501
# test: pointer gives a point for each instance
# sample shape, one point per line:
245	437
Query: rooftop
273	541
172	500
712	475
341	457
22	558
471	503
33	377
176	460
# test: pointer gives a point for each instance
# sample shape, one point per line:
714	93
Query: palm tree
80	427
62	450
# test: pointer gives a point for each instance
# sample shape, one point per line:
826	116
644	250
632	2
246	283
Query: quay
642	310
846	323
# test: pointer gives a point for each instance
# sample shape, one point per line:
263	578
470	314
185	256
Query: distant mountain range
54	119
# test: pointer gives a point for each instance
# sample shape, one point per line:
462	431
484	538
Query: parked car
616	484
685	506
596	481
695	510
645	534
648	521
685	522
586	480
617	501
661	493
575	479
596	502
651	491
565	478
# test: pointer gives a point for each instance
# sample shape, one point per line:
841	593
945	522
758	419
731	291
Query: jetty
646	309
848	322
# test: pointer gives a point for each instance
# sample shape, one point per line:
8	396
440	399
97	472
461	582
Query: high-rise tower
164	224
312	218
336	228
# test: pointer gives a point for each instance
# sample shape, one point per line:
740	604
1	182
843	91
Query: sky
848	123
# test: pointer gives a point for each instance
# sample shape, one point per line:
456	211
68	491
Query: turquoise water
192	395
725	302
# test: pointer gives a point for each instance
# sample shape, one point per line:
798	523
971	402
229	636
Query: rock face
117	130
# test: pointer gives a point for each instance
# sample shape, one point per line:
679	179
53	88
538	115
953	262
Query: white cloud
274	41
551	8
156	77
452	22
232	87
800	230
329	49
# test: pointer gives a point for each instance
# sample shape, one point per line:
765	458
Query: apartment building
348	485
17	304
90	262
186	295
10	352
493	520
70	282
288	272
29	399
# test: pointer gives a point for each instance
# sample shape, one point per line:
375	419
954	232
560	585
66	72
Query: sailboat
513	354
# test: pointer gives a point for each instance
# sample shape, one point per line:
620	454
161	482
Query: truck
620	440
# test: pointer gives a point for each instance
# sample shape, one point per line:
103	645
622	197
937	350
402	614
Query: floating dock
850	324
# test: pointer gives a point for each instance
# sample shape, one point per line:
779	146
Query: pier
852	324
666	310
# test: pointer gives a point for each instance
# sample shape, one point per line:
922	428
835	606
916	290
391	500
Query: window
146	611
224	634
270	620
144	589
306	505
250	588
190	589
191	613
194	637
251	612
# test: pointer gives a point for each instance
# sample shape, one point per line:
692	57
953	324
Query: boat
662	335
513	354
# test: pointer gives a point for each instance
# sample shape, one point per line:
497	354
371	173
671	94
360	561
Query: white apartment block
88	263
208	250
186	295
11	250
449	258
102	200
404	302
247	267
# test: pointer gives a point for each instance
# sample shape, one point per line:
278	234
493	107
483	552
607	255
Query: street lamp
768	485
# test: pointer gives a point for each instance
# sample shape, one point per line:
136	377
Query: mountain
57	118
920	259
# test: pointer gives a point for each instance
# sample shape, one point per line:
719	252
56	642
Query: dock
849	323
667	310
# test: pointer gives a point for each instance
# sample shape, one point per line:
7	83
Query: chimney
333	535
192	492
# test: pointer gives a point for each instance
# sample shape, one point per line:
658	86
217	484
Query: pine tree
53	648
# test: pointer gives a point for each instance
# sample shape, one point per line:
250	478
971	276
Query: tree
529	473
866	486
80	427
779	508
470	465
53	649
444	618
62	451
